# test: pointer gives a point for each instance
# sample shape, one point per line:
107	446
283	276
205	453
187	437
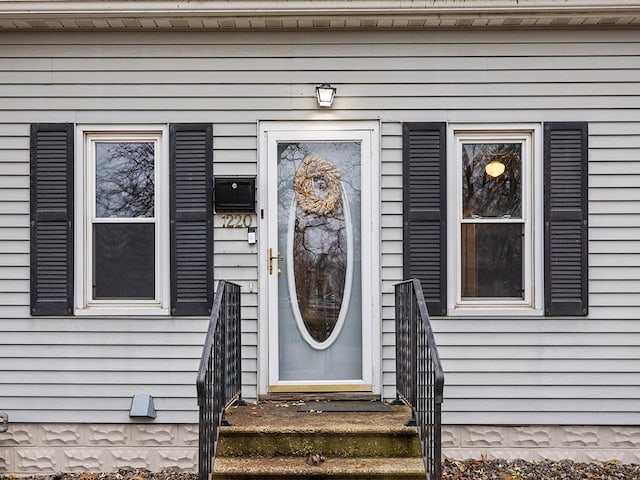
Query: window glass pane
319	236
124	261
487	196
124	179
492	260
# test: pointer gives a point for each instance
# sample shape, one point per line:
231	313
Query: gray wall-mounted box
234	194
142	406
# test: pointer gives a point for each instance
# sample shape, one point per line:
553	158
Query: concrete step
281	441
280	429
332	468
274	440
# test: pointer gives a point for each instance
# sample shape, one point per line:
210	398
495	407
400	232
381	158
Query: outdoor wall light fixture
325	94
495	168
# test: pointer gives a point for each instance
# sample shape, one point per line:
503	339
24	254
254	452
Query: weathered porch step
338	441
280	429
272	440
333	468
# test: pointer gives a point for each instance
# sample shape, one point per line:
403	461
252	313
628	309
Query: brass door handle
271	259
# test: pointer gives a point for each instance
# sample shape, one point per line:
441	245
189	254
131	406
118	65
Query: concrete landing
285	416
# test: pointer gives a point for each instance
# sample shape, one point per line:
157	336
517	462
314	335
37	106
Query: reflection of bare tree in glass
486	196
124	179
320	263
319	242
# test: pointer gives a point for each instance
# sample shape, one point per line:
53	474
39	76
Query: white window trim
82	215
533	204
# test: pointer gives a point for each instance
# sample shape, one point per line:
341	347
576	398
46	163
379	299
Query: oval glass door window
320	251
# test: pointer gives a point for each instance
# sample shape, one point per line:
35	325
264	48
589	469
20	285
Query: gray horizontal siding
507	370
391	241
235	153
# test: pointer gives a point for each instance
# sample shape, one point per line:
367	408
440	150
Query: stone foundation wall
538	442
48	448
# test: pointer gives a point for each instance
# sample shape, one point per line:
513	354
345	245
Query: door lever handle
272	258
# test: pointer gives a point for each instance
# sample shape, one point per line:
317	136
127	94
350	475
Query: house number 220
236	220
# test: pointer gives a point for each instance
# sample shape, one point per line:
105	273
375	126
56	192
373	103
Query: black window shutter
51	185
191	152
566	218
424	210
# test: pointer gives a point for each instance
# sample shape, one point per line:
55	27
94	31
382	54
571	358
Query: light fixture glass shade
325	94
495	168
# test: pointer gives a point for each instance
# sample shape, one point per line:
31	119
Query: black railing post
419	374
219	375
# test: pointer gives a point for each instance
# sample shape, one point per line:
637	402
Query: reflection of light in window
495	168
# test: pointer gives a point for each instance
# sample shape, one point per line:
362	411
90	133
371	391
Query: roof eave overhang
304	14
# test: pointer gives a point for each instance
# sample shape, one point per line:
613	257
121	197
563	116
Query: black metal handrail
219	375
419	374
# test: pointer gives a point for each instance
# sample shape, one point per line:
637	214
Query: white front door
320	256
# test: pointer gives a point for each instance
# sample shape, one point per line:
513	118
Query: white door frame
368	133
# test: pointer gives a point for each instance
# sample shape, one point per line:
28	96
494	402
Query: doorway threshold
319	397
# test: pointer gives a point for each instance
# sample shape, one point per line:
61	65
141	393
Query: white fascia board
311	7
451	9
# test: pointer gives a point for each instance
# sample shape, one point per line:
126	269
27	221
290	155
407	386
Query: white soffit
314	14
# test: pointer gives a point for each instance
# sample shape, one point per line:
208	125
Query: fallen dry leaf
315	459
88	476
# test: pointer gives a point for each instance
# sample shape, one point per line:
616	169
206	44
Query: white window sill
122	311
496	311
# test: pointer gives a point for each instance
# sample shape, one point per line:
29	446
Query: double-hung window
495	203
122	188
121	219
495	217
